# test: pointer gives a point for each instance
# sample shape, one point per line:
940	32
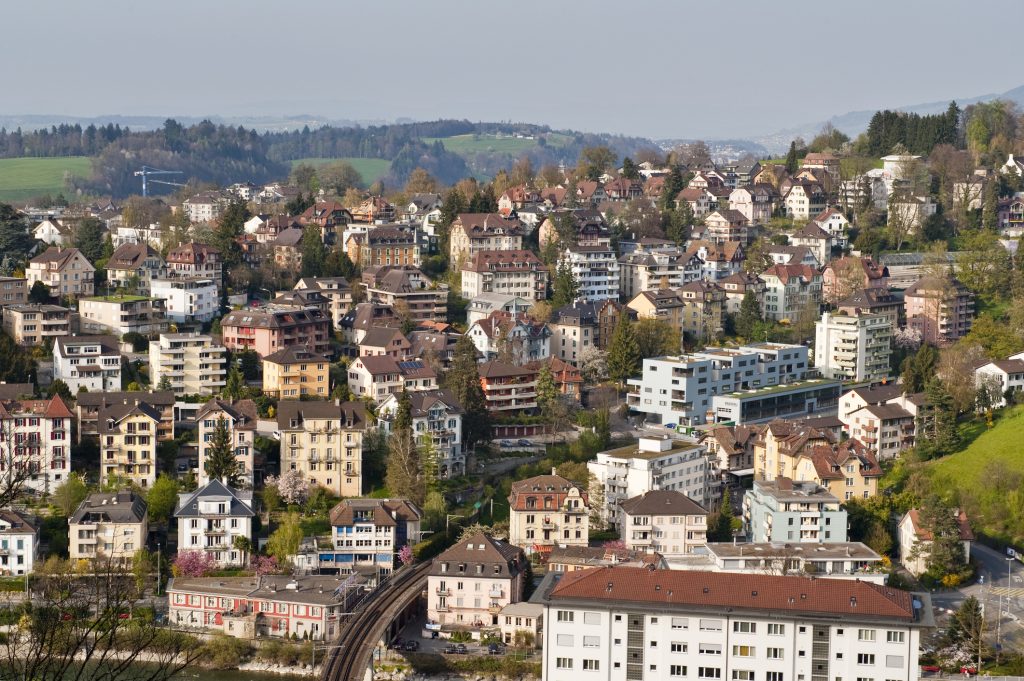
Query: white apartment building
596	270
210	518
121	314
547	511
653	464
664	521
647	271
191	362
616	623
41	433
187	301
370	533
19	543
472	581
239	418
109	525
791	291
436	415
1005	374
853	347
90	363
680	389
513	273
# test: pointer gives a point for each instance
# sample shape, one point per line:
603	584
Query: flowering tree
907	337
193	564
616	544
292	487
406	556
265	565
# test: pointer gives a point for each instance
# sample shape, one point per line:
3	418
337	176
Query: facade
192	363
36	324
942	311
514	273
787	511
13	291
517	338
239	418
653	464
381	340
324	441
618	623
369	533
791	292
509	388
835	560
596	271
853	347
195	260
755	202
41	432
640	271
846	276
337	290
915	540
471	582
109	525
275	327
407	288
384	246
90	363
471	233
204	207
294	372
133	267
804	199
812	397
188	300
580	327
65	270
121	314
663	521
885	429
128	443
704	309
381	376
89	406
1007	375
210	518
547	511
436	415
19	542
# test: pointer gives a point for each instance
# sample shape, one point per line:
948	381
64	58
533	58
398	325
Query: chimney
554	471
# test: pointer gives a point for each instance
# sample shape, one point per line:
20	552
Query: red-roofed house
912	533
39	440
548	510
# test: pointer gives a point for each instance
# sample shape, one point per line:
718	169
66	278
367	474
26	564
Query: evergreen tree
313	255
671	188
990	206
404	473
749	315
919	368
39	293
235	384
630	170
463	380
566	287
89	239
623	351
547	391
944	555
722	522
792	164
221	463
14	237
937	420
230	226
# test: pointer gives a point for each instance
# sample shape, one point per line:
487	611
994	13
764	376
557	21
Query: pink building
273	328
941	310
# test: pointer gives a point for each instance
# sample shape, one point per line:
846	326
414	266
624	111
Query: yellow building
128	440
664	303
294	372
324	440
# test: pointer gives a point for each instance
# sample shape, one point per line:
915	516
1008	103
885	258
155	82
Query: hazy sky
673	68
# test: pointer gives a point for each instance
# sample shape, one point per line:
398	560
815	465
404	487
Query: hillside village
629	376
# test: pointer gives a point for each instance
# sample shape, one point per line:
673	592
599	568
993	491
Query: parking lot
413	632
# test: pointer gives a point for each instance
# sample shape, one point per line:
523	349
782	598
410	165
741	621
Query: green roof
116	298
795	385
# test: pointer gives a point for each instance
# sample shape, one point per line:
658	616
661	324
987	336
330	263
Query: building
815	239
874	301
725	225
640	271
87	363
121	314
663	521
191	362
275	327
336	290
568	379
381	340
1006	375
369	533
916	540
704	309
392	245
835	560
40	431
853	347
521	624
680	389
941	310
844	277
408	291
128	443
664	304
19	542
33	325
515	338
511	273
65	270
755	202
266	606
88	407
653	464
294	372
736	287
53	232
195	260
886	430
188	300
791	292
785	510
109	526
380	376
596	271
133	267
436	415
574	558
484	304
635	623
13	291
804	199
508	388
547	511
210	518
471	233
204	206
324	441
580	327
472	581
239	418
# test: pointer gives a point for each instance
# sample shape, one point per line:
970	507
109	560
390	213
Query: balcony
443	592
494	608
443	607
495	593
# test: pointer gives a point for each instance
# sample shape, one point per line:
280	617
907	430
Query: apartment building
596	271
109	526
204	206
369	533
636	623
408	291
391	245
755	202
210	518
791	292
508	388
128	443
704	309
547	511
886	430
514	273
853	347
65	270
195	260
516	337
835	560
653	464
436	415
133	267
89	363
817	397
579	327
380	376
19	542
191	362
274	327
941	310
88	407
40	431
324	441
788	511
471	233
13	291
188	300
33	325
645	271
295	372
1007	375
663	521
471	582
336	290
121	314
239	417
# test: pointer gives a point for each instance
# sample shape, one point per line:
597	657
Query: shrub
225	652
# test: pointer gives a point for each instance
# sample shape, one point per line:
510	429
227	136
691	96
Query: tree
221	463
162	498
291	486
229	227
453	204
944	554
70	494
956	371
313	252
243	545
193	564
674	183
966	628
594	161
304	176
540	311
623	351
565	285
749	315
14	237
435	509
937	433
655	337
284	542
421	182
235	384
39	293
338	177
722	522
758	259
919	368
547	391
463	380
404	477
630	170
593	364
89	238
792	163
59	388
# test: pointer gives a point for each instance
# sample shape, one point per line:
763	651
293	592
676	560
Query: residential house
275	327
736	287
642	271
941	310
804	199
886	430
133	267
822	161
718	260
324	441
53	232
109	526
596	271
576	558
879	301
41	433
122	314
853	347
701	201
734	448
204	206
369	533
791	292
287	247
578	327
239	419
336	290
1006	375
517	338
1013	166
510	273
408	291
907	212
588	225
381	340
128	443
13	291
437	417
87	363
725	225
471	233
664	304
755	202
19	542
89	406
380	376
815	239
787	511
845	276
65	270
484	304
386	245
195	260
568	379
472	581
295	372
191	362
190	300
916	540
663	521
835	224
331	217
547	511
508	388
704	309
374	210
520	624
210	519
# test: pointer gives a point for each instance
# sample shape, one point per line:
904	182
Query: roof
486	224
191	254
243	413
662	502
294	354
540	485
110	417
157	398
496	369
879	394
301	410
108	345
19	523
966	533
597	556
51	408
270	317
887	412
811	231
383	512
324	590
58	256
830	460
787	272
13	391
188	503
422	401
290	237
130	256
112	507
845	550
722	591
500	559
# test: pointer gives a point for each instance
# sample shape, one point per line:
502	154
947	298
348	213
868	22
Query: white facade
640	271
188	300
42	431
436	415
853	347
1007	375
596	270
210	518
90	363
667	530
19	543
192	363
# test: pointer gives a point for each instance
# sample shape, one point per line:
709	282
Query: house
547	511
288	249
915	540
941	310
853	561
822	161
1013	166
65	270
54	232
791	292
332	217
718	260
704	309
509	273
324	441
13	291
734	448
210	519
664	304
508	388
736	287
816	240
520	624
804	199
879	301
1007	375
853	347
294	372
381	340
373	210
381	375
109	526
907	213
128	443
482	305
369	533
755	202
886	430
788	511
596	271
701	201
792	255
471	233
42	431
588	226
663	521
436	345
19	542
191	362
195	260
516	338
623	189
191	300
835	224
239	419
121	314
204	206
725	225
385	245
133	267
275	327
640	271
89	406
579	327
472	581
336	290
89	363
437	418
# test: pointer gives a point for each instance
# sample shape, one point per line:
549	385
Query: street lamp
447	520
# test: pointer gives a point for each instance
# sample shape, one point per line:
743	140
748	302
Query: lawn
476	143
26	178
371	169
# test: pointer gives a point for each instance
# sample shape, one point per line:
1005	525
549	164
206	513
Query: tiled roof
188	504
386	512
662	502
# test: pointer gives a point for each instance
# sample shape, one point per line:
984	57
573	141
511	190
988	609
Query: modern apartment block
337	290
109	526
408	289
121	314
663	521
789	511
32	324
274	327
188	300
853	347
941	310
89	363
596	270
324	441
192	363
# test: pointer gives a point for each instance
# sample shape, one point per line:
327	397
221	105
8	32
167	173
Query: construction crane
147	171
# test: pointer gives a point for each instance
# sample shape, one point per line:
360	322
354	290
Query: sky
668	69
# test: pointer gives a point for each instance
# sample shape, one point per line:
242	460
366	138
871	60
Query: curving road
352	652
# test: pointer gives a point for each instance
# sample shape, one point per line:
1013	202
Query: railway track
351	653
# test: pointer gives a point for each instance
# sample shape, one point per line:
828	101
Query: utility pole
158	576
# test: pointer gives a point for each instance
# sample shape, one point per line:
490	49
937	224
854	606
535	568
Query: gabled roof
383	512
301	410
294	354
111	417
130	256
53	408
966	533
192	254
382	337
188	503
662	502
156	398
488	224
59	256
791	271
422	401
811	231
830	460
243	413
113	507
500	560
290	237
540	485
19	523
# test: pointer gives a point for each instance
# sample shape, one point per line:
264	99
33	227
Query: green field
26	178
371	169
475	143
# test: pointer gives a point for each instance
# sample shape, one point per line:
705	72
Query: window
566	640
565	615
865	658
775	653
711	625
894	637
894	661
710	649
563	663
678	647
742	675
591	641
677	670
591	665
709	673
773	676
776	629
680	623
866	635
591	618
745	627
743	651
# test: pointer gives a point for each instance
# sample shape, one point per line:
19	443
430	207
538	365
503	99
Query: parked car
397	644
450	649
508	443
494	649
525	443
461	649
412	646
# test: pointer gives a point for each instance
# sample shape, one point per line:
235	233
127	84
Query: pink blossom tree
193	564
265	565
291	485
405	555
